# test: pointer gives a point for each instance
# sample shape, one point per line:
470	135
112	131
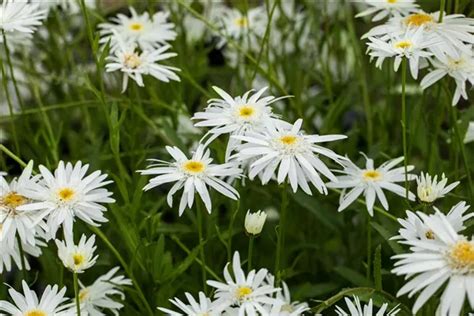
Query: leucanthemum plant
356	309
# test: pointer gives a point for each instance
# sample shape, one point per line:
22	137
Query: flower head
192	175
356	309
203	307
429	189
384	8
10	254
20	16
254	222
77	258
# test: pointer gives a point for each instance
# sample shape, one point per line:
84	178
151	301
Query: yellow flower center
392	1
429	234
78	259
243	292
371	175
137	27
193	166
132	60
403	44
66	194
462	255
289	139
36	312
241	22
418	19
12	200
246	111
83	294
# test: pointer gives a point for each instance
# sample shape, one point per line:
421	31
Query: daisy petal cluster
371	182
444	259
430	189
385	8
356	309
20	16
80	257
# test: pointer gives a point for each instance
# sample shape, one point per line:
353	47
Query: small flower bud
254	222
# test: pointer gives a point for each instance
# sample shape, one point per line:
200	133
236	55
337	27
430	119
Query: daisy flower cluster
440	42
254	293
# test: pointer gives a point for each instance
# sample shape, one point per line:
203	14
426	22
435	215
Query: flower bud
254	222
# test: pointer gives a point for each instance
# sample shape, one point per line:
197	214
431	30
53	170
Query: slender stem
12	73
22	258
76	294
201	245
10	106
441	10
12	155
404	124
279	260
231	231
249	260
369	246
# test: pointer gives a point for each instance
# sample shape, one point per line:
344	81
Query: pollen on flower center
241	22
12	200
456	64
418	19
83	294
66	194
371	175
392	1
136	27
243	292
403	44
193	167
132	60
246	111
462	255
35	312
289	139
78	259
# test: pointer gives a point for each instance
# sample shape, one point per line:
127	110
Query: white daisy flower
12	220
102	294
412	46
461	69
371	182
237	116
384	8
28	304
247	293
10	254
194	308
254	222
431	263
284	305
77	258
136	64
355	309
67	194
142	30
429	189
20	16
296	154
192	175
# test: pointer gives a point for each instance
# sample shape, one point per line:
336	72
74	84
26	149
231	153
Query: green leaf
387	235
378	268
352	276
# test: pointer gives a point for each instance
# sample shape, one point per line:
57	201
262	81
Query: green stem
369	247
231	231
404	124
201	244
249	260
12	155
10	106
441	10
279	260
22	258
76	294
12	73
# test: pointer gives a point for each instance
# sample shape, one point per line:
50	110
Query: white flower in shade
20	16
69	193
28	303
411	45
469	137
194	308
247	293
237	116
136	64
142	30
429	189
10	254
433	262
461	69
371	182
295	154
192	175
414	227
453	34
254	222
15	222
284	305
103	294
355	309
77	258
384	8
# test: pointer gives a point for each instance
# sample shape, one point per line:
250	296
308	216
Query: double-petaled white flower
141	30
295	155
254	222
192	175
444	257
371	182
387	8
68	193
193	308
20	16
356	309
77	258
429	189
